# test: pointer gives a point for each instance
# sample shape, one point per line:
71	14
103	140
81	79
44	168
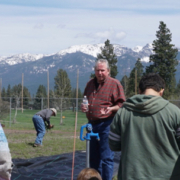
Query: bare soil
9	131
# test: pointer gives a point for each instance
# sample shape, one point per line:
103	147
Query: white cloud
61	26
38	26
111	34
48	30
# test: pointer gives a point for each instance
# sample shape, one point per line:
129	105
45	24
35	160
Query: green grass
21	144
59	140
24	120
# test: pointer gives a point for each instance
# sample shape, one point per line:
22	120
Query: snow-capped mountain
89	49
19	58
95	49
82	58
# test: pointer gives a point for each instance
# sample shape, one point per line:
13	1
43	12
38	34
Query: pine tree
107	52
164	61
8	92
4	105
62	90
16	93
52	98
73	95
138	69
26	97
41	93
4	109
177	91
124	83
62	86
3	93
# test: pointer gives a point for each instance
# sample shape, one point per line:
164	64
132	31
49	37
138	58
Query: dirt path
9	131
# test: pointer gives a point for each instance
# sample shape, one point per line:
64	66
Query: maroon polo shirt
109	93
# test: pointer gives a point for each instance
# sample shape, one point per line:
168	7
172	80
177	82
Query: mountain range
81	57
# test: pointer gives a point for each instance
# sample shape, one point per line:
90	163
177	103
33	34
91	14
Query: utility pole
22	92
47	88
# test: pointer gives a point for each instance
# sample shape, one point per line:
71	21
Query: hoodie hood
145	104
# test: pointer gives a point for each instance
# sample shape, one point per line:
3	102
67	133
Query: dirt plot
54	142
30	135
9	131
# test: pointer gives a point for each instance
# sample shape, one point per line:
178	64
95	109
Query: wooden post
61	121
74	146
22	92
47	88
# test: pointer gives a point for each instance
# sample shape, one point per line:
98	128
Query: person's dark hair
151	81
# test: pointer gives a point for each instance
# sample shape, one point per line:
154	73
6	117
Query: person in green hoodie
147	132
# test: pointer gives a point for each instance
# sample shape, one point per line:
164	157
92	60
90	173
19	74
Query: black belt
98	121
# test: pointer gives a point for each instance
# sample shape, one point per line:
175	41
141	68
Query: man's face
101	72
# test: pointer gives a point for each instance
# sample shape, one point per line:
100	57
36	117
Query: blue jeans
40	128
101	157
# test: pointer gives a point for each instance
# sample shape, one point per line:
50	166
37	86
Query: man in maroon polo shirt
105	96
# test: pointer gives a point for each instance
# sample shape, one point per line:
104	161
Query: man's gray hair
102	61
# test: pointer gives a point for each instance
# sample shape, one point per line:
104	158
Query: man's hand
109	109
106	110
50	126
84	107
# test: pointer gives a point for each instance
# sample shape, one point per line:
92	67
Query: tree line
62	89
163	61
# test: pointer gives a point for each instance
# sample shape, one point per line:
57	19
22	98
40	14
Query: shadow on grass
30	144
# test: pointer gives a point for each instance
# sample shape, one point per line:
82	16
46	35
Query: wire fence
15	110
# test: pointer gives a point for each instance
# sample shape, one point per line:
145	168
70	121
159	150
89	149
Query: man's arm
49	113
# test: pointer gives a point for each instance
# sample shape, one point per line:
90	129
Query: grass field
59	140
24	120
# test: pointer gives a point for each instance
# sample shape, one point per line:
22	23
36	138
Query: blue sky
48	26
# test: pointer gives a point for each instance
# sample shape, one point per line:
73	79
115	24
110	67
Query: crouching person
42	119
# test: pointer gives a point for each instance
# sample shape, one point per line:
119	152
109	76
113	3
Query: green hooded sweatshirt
147	132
